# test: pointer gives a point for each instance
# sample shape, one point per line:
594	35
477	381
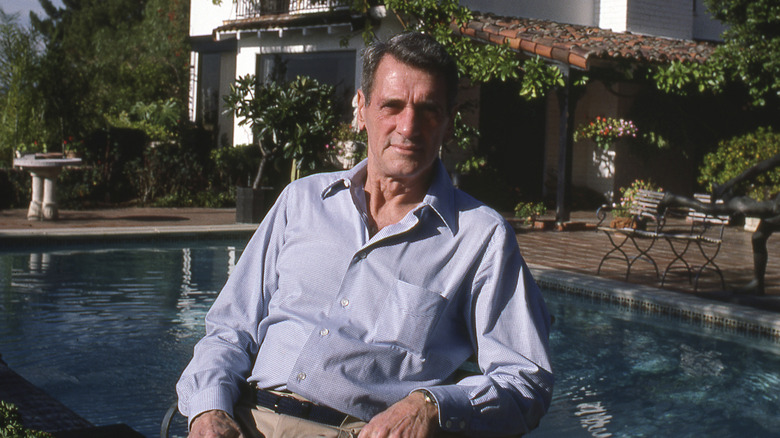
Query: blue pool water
108	330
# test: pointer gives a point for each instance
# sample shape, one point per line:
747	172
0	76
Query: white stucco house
322	38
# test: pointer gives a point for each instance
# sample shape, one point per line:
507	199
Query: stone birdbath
44	168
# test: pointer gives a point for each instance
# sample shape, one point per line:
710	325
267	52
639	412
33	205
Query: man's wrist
428	397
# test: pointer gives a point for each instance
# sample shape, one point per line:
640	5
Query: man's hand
412	417
214	424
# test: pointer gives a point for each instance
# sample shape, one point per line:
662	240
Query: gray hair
417	50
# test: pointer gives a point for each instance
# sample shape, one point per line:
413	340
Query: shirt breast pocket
408	317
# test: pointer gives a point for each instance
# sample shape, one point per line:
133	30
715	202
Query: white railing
257	8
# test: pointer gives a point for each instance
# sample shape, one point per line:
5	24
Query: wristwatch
428	397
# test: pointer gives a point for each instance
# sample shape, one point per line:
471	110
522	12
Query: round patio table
44	171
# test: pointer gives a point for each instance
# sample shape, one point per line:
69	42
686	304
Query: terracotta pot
624	222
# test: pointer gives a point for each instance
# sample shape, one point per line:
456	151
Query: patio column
565	133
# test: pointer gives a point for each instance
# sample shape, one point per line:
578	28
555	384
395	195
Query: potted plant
347	147
621	213
529	213
604	131
289	120
72	148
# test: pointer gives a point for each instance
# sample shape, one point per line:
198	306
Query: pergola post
565	140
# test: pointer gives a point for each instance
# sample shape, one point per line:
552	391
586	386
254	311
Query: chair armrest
602	212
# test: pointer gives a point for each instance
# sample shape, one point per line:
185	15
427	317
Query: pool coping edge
731	316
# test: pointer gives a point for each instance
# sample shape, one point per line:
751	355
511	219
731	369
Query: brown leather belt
288	405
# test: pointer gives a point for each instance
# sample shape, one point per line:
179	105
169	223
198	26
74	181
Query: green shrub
235	166
11	424
530	210
735	155
166	170
15	188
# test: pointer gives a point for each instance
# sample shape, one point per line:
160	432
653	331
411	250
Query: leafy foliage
752	44
165	169
234	166
478	62
750	54
628	194
735	155
158	120
11	424
539	78
530	210
291	120
104	57
21	101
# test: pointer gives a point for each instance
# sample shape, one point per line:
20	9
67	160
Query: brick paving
581	251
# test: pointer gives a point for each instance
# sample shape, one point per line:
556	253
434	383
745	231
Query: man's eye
393	107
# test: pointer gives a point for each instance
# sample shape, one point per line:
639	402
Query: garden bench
649	224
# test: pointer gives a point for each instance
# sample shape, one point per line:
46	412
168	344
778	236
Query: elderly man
363	292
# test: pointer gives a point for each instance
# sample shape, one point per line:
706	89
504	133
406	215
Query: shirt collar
345	179
440	197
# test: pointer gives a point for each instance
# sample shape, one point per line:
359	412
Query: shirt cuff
207	400
454	407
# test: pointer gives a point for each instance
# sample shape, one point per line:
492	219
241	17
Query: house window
334	68
208	87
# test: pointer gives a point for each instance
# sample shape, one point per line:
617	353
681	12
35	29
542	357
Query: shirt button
301	377
361	255
324	332
344	302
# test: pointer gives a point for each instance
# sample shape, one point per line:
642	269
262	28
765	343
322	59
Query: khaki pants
259	422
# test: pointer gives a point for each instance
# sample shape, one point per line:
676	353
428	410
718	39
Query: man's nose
408	122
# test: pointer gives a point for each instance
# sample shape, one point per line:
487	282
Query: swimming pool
108	330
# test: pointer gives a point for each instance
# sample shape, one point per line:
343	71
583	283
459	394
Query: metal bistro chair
644	208
165	426
706	232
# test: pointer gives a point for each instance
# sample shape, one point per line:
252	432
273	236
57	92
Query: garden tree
750	54
292	120
480	63
102	58
21	101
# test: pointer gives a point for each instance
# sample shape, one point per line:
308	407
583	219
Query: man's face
406	120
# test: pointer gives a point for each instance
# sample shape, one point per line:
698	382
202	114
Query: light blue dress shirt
356	322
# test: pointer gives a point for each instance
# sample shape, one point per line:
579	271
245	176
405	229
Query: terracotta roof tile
497	39
578	45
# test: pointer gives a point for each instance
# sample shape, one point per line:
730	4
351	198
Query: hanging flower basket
604	131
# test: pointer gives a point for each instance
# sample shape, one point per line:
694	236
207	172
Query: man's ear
361	108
